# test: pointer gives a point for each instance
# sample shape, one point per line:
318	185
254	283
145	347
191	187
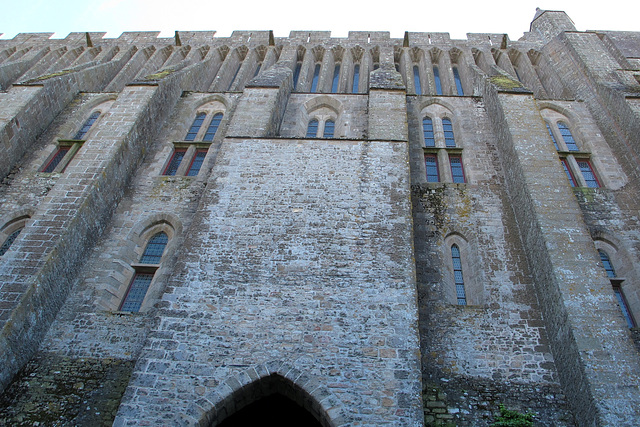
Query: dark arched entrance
271	400
276	410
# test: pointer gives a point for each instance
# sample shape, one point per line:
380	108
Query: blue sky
455	17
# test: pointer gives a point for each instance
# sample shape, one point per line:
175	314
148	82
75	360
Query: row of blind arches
355	79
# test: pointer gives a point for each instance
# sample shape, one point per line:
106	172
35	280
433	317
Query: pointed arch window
195	127
606	263
9	241
67	148
235	75
296	74
416	80
188	157
312	129
567	136
213	127
329	129
84	130
336	79
457	275
553	138
356	78
257	69
456	77
436	77
316	77
443	158
144	273
617	288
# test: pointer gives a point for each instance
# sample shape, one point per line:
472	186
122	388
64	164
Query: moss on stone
504	82
49	76
54	390
159	75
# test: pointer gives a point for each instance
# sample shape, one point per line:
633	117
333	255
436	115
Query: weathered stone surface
309	250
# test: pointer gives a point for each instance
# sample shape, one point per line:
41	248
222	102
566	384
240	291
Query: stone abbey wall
312	230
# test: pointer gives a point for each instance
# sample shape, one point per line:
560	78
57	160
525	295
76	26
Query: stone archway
274	409
275	397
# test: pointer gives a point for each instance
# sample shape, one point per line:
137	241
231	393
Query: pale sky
456	17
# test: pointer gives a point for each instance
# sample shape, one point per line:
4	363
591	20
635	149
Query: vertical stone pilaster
575	295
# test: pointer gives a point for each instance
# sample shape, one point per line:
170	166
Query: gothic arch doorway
272	400
276	410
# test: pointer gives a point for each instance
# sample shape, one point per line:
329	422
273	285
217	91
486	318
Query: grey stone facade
383	231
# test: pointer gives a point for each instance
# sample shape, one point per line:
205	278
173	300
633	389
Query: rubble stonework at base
369	230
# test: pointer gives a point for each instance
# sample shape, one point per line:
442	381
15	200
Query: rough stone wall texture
283	261
320	268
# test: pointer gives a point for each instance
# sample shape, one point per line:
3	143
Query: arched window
567	136
336	79
517	74
187	159
316	77
67	148
457	275
416	80
9	241
296	74
235	75
312	129
617	288
456	77
329	128
427	131
213	127
553	138
449	139
195	127
356	78
257	69
154	249
606	262
436	76
144	274
84	130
